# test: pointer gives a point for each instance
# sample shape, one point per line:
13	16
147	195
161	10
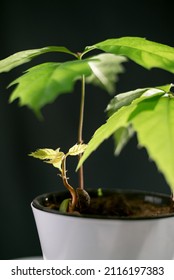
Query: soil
120	206
123	205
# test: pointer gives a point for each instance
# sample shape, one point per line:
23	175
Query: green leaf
121	137
51	156
155	131
119	119
123	134
77	149
144	52
105	70
123	99
64	205
44	153
43	83
152	117
47	154
22	57
126	98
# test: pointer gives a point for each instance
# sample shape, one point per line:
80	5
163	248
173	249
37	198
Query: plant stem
80	131
68	186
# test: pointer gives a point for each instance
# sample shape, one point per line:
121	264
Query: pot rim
155	197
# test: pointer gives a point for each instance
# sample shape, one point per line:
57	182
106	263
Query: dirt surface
119	205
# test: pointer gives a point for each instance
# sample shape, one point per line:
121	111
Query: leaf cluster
147	111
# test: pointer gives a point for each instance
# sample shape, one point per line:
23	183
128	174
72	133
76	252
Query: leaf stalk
80	131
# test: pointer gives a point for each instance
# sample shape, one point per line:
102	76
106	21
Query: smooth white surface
66	237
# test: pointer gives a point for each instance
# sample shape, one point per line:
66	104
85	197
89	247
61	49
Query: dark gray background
75	24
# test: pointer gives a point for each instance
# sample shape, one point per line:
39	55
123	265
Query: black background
74	24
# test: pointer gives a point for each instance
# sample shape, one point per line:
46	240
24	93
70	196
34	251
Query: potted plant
104	223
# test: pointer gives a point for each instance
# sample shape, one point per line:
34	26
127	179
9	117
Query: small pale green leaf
57	160
99	192
64	205
44	153
146	53
105	70
77	149
22	57
51	156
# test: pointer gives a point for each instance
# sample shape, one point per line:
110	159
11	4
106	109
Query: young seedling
79	197
148	112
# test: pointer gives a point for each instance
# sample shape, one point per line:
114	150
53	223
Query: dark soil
121	205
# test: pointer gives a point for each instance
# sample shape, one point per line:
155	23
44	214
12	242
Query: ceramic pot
64	236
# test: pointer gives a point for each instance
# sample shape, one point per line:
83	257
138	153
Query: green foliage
105	70
43	83
146	111
124	99
153	121
55	157
144	52
121	137
22	57
152	117
58	160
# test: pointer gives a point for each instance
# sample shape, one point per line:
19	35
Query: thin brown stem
68	186
80	131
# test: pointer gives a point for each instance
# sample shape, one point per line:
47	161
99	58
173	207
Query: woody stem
67	185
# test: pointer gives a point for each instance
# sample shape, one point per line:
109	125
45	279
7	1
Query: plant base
94	236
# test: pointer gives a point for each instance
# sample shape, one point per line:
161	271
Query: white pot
72	237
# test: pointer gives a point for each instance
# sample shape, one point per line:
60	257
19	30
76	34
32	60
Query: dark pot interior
163	204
